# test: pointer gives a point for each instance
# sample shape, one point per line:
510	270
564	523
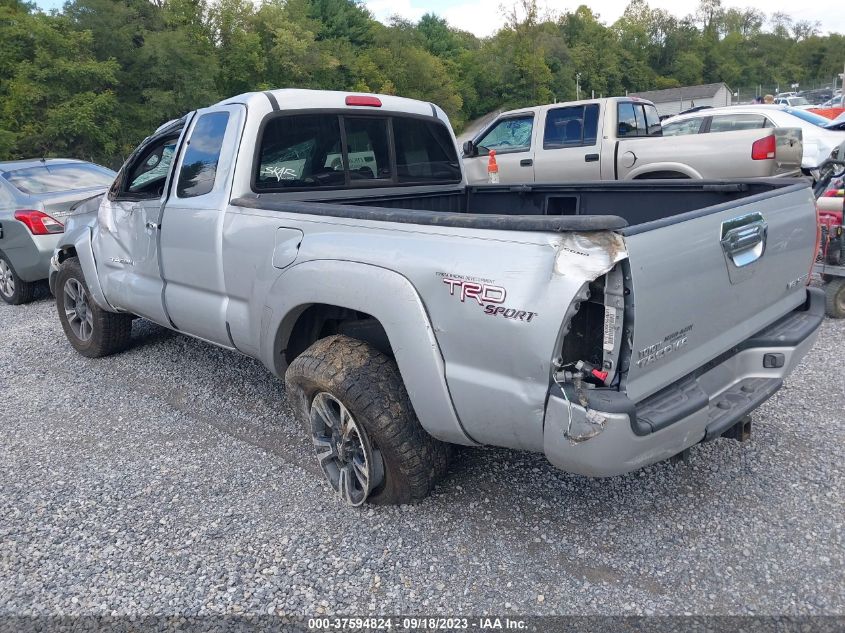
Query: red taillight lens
360	100
763	149
38	222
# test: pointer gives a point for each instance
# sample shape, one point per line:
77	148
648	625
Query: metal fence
747	94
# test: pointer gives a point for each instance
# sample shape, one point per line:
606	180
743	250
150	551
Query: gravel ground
172	479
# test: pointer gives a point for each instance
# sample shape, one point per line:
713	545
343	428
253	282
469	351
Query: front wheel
834	298
13	289
92	331
368	441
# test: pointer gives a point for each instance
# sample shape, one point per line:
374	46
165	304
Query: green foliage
94	79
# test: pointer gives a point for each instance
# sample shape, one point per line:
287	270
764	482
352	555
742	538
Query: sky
484	17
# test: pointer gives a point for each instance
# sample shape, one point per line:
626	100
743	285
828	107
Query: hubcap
346	456
78	311
7	280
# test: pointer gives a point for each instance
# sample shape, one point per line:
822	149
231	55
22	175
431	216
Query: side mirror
469	149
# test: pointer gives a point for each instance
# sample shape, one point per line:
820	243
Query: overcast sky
483	17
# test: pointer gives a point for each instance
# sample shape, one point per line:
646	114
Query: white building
676	100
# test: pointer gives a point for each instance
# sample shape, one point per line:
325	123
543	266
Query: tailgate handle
744	239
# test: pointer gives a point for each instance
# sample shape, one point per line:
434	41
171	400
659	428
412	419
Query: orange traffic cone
492	169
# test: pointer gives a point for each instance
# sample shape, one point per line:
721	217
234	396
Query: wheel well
655	175
65	253
321	320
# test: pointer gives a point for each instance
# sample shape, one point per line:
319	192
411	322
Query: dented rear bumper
613	435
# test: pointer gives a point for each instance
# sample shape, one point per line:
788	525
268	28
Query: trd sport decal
489	296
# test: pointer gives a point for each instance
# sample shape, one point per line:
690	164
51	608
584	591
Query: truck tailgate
704	281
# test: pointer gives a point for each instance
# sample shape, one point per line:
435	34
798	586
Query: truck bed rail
497	222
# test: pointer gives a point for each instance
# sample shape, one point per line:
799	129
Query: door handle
591	158
153	226
526	162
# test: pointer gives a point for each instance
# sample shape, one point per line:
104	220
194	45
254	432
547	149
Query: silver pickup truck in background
620	138
334	237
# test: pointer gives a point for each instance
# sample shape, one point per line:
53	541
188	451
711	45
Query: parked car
793	102
333	237
35	196
619	139
818	140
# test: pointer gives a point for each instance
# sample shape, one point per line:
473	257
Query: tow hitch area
741	431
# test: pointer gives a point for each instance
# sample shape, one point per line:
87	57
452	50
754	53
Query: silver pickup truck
333	237
620	138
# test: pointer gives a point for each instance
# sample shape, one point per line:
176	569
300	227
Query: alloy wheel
78	311
7	279
349	461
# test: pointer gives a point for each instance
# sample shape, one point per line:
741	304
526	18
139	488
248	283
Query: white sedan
819	142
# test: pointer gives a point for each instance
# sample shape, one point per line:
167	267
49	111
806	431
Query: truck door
511	137
127	233
569	148
192	225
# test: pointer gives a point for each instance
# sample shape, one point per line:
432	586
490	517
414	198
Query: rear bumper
31	256
624	435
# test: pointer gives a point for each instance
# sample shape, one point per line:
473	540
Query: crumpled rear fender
80	240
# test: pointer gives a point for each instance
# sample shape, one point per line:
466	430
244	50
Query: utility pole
577	86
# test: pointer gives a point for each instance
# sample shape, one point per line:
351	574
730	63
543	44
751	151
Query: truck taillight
38	222
764	148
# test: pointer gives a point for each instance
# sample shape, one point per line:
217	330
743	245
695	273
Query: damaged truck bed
607	325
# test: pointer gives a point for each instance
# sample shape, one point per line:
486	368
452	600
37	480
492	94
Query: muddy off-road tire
369	443
14	290
834	298
92	331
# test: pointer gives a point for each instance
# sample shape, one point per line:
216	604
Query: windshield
50	178
809	117
797	101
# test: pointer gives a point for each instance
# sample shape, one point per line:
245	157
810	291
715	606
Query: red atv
830	261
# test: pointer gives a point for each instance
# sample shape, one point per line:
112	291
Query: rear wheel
13	289
368	441
834	298
92	331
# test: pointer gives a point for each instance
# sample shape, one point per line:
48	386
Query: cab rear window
331	151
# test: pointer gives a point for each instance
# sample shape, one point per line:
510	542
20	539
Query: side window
148	173
300	151
681	128
734	122
368	148
509	135
638	119
571	127
652	121
199	167
425	152
627	120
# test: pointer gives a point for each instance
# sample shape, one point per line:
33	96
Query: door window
733	122
508	135
571	127
681	128
148	173
199	167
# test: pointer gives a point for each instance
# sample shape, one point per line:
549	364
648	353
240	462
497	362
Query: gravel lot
172	479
